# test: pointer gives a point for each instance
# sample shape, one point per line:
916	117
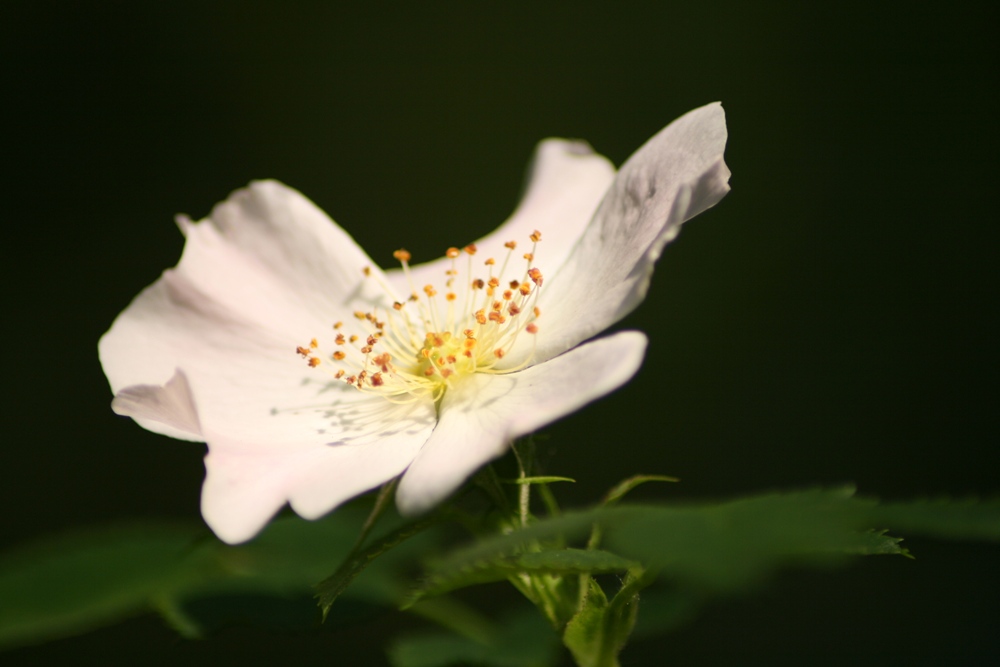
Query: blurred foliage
82	580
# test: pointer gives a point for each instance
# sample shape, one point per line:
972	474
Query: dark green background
832	320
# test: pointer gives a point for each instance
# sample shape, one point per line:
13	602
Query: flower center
426	343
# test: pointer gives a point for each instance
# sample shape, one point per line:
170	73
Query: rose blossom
313	375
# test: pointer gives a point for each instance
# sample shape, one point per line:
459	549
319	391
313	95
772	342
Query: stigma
440	332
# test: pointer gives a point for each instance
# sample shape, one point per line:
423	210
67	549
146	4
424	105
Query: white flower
438	381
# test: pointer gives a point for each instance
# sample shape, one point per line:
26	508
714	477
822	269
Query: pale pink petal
169	407
482	415
247	482
266	273
566	183
676	175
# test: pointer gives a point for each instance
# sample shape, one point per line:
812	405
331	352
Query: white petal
170	406
267	272
267	259
248	482
566	183
676	175
480	417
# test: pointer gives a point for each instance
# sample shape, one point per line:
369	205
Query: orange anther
537	311
366	349
338	355
470	249
490	262
535	275
529	256
452	253
450	296
338	325
339	374
494	282
359	315
514	284
536	236
313	344
508	295
340	340
402	255
524	288
429	290
499	352
397	305
367	270
531	328
478	283
371	340
481	316
510	244
314	362
353	339
377	380
514	309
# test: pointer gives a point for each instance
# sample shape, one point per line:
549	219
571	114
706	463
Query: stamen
422	355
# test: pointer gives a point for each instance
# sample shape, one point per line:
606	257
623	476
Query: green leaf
333	586
537	480
549	561
568	561
618	492
584	635
86	579
943	518
523	640
730	545
90	578
716	545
